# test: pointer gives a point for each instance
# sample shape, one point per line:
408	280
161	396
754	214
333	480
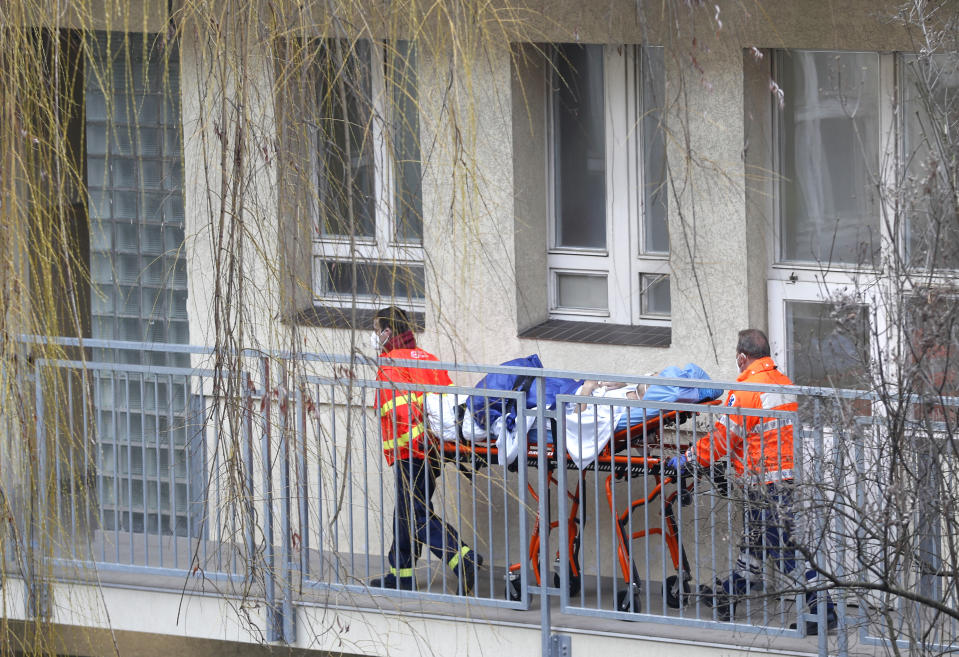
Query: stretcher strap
455	561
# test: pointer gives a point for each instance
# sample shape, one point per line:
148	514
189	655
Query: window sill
337	317
597	333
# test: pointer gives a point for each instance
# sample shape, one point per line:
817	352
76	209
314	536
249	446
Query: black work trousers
415	524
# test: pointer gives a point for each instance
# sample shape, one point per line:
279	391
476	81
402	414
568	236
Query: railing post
250	520
562	505
823	643
302	485
286	553
542	465
37	603
842	641
274	615
560	645
928	526
522	494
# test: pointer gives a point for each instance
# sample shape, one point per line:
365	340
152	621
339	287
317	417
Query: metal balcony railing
263	472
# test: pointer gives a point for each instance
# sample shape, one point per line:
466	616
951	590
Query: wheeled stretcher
626	455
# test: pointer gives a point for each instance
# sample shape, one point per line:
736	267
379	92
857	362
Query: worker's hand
675	465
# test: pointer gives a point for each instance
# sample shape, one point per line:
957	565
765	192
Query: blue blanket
491	407
664	393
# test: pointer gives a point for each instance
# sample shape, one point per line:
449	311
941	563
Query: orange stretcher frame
618	459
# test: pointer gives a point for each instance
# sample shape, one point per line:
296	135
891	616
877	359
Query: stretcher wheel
513	587
676	597
629	599
575	583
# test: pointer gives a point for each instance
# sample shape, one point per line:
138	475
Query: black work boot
718	599
391	581
465	570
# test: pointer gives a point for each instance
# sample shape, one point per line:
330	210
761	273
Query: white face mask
375	341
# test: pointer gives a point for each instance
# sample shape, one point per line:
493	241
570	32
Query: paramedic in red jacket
415	460
761	453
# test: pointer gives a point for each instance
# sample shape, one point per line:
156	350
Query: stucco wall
482	131
485	169
484	186
114	620
485	232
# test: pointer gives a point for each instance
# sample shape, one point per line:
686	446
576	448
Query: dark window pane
378	280
345	175
405	141
827	344
655	229
579	142
931	119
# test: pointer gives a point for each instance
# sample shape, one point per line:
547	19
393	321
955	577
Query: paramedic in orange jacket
414	459
761	452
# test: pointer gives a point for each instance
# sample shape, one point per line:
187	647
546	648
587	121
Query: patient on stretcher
612	390
651	392
589	427
619	389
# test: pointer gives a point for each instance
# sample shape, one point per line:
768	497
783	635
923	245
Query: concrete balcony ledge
150	610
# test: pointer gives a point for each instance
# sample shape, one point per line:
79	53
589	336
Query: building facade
615	187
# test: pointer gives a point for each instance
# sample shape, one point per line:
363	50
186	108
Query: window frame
787	270
383	248
789	281
781	293
809	281
622	261
942	274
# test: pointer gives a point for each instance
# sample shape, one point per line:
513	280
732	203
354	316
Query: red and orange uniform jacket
759	447
401	411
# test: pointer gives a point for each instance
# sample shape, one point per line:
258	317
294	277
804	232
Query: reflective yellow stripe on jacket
404	438
404	399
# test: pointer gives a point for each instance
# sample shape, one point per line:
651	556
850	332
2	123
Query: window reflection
830	158
828	344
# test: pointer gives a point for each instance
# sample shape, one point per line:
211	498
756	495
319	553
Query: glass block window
139	282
